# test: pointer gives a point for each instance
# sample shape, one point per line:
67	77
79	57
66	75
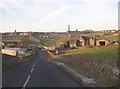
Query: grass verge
97	62
102	53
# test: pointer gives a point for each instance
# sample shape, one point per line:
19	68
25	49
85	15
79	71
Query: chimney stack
68	27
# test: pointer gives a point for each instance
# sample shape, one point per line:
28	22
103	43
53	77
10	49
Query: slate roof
85	38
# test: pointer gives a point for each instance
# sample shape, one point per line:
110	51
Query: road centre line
26	81
32	70
28	76
33	66
35	63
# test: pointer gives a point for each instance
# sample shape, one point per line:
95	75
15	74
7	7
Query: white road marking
28	77
26	81
35	62
33	66
31	70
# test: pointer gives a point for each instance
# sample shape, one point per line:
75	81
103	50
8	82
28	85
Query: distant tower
68	30
68	27
15	33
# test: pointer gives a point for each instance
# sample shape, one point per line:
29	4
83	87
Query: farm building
78	43
102	42
51	48
84	40
73	45
14	51
92	41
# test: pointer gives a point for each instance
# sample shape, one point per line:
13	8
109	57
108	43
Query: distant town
65	43
89	52
71	38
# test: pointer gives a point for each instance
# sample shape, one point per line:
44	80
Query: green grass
48	43
12	38
104	53
33	39
111	37
92	34
84	60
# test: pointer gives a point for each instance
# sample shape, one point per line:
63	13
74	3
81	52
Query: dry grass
52	56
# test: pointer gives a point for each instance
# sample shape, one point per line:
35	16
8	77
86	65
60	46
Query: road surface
38	73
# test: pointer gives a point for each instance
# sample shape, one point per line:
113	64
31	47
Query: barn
14	51
102	42
84	40
93	41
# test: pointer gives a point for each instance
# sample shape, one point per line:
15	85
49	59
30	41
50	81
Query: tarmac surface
38	73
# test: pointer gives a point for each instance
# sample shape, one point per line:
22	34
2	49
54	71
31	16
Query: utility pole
56	47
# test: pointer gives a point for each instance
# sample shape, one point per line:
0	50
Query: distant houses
108	32
74	33
84	41
23	33
26	33
17	34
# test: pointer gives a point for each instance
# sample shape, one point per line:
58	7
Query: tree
25	41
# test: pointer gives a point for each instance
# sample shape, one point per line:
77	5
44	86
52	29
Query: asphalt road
38	73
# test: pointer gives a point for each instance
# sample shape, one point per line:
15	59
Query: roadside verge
85	80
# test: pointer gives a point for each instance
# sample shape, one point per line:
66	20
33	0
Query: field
48	43
112	37
97	34
15	38
103	53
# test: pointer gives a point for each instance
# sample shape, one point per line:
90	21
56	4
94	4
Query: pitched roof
85	38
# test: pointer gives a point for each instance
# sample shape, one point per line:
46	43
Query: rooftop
16	49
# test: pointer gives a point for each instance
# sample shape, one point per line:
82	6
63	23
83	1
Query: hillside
102	53
99	63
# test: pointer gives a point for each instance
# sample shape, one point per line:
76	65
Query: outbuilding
102	42
14	51
84	40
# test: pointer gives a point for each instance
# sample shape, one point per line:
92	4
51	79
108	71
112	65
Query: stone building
84	40
102	42
93	41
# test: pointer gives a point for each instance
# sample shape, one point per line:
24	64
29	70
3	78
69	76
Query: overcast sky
55	15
